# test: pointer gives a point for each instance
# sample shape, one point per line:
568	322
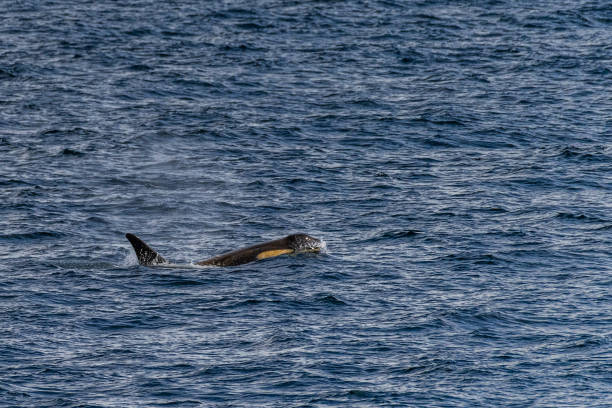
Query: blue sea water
455	156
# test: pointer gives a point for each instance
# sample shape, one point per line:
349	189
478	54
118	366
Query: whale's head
304	243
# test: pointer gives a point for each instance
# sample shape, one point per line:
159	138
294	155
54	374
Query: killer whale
294	243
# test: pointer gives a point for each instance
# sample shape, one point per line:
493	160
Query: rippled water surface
455	156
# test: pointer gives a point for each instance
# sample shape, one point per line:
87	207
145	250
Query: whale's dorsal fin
145	254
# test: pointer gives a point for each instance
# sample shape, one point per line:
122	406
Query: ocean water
455	156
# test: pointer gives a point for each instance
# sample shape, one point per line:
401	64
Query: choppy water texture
455	157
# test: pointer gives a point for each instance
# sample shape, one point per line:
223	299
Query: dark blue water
456	157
